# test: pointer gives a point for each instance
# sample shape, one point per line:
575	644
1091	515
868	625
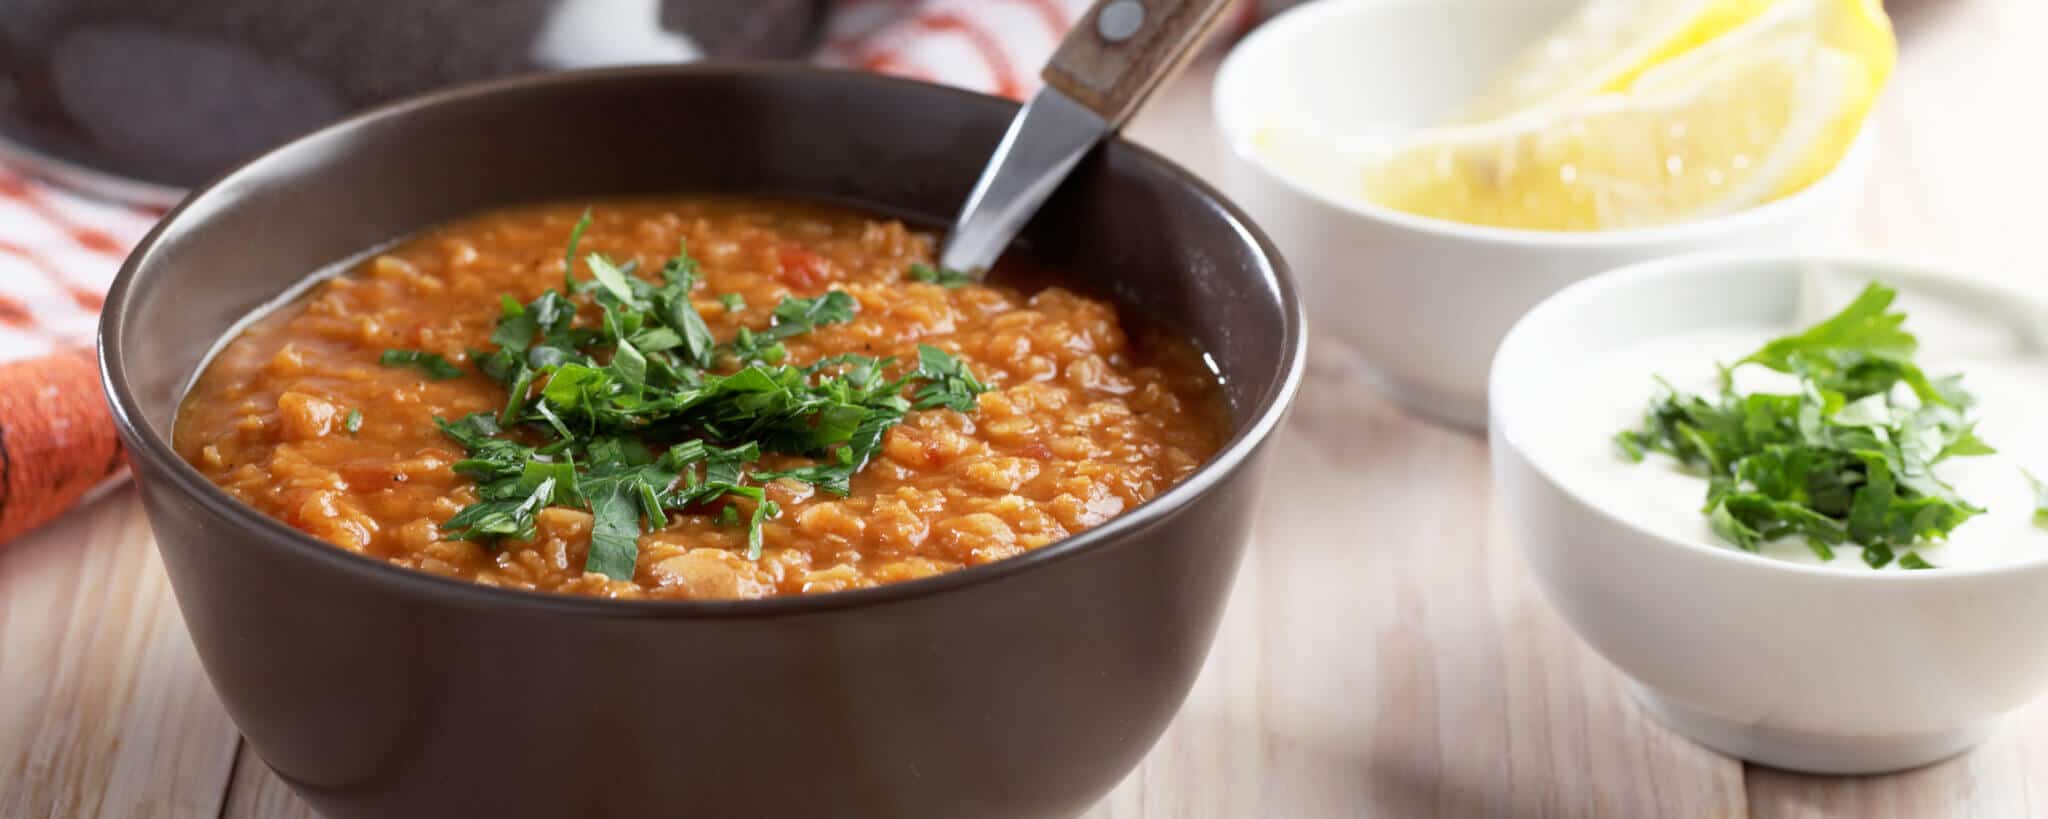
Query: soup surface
1062	419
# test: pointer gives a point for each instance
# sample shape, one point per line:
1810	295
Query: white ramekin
1426	300
1814	668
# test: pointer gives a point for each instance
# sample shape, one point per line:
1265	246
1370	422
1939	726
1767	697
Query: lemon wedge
1758	112
1603	47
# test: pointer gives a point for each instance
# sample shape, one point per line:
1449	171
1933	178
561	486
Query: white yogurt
1611	392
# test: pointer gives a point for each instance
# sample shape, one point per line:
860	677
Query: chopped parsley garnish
436	367
941	276
733	302
947	383
1849	458
353	422
641	413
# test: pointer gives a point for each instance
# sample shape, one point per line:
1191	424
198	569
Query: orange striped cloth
57	254
58	251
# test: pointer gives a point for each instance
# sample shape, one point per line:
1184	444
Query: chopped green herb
610	277
948	383
517	394
941	276
436	367
614	531
795	317
353	422
1861	351
1849	458
1913	560
516	326
643	413
569	253
500	518
733	302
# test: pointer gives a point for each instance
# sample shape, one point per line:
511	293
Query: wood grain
1959	159
1371	696
2006	776
1114	78
1383	653
103	708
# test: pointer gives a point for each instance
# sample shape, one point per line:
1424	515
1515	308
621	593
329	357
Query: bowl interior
1953	317
1350	78
1128	223
1364	72
1710	291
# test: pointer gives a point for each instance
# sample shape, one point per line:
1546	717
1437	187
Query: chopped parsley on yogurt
1827	439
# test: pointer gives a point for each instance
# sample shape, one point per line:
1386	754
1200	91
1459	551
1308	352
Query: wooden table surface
1384	653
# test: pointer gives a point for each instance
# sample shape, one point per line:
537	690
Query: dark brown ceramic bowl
1024	688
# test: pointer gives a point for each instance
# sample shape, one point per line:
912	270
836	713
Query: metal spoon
1119	52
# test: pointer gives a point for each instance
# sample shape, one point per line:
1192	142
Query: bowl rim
1261	416
1506	422
1303	21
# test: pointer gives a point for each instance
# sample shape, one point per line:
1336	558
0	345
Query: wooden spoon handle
1123	49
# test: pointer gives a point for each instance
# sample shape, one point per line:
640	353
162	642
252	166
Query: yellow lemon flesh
1603	47
1753	113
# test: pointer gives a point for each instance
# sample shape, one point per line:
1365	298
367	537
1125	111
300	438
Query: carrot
57	440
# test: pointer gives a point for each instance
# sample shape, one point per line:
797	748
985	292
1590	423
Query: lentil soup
917	423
